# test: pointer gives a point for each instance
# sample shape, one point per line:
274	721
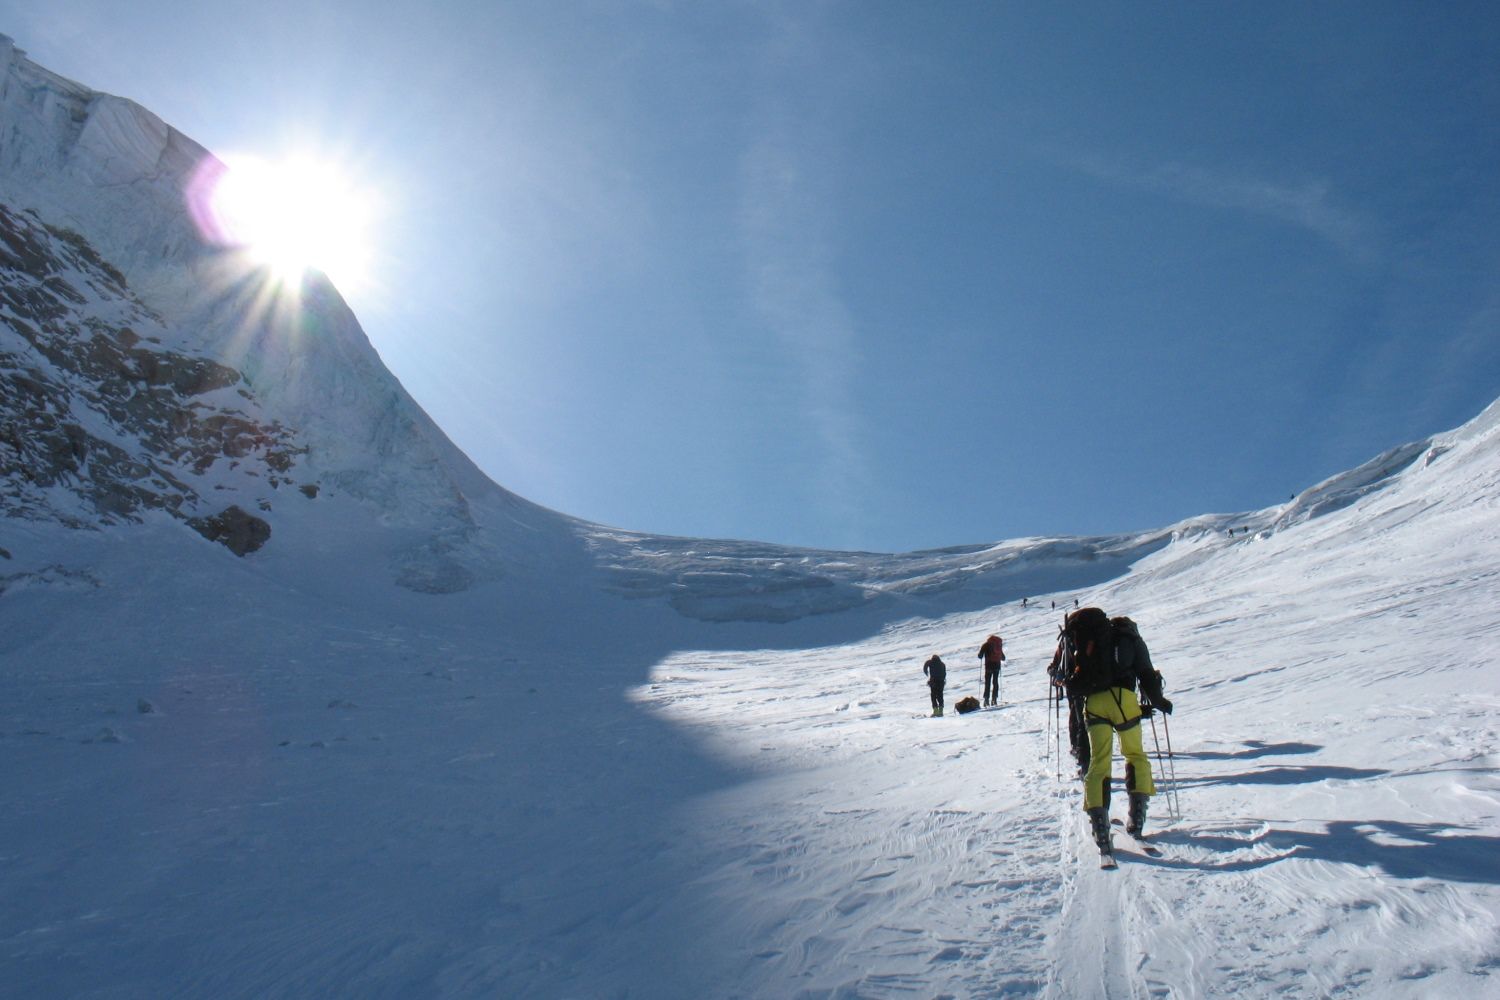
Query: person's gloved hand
1165	705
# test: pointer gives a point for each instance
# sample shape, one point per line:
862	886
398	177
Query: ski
1140	841
1106	850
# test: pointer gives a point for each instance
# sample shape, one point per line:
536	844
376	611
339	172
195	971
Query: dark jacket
936	671
1133	663
993	651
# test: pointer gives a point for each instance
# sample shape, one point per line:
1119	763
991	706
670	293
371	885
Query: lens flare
289	216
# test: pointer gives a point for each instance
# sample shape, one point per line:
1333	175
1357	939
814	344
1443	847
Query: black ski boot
1099	823
1136	825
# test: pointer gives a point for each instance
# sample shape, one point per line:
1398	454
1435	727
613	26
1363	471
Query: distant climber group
1103	670
992	653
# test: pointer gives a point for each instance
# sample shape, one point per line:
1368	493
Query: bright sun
296	214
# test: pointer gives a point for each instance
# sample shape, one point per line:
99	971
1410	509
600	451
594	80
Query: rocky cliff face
100	422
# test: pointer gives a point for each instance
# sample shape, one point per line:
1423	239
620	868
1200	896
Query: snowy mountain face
295	702
178	381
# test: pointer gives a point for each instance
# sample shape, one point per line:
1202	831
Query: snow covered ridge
745	581
742	581
1346	488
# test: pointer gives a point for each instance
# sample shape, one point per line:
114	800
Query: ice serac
96	164
120	142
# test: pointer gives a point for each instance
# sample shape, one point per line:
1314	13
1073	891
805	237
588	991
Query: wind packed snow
431	740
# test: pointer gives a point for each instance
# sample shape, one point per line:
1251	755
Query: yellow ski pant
1115	710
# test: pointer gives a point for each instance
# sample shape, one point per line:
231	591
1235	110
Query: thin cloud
792	286
1309	205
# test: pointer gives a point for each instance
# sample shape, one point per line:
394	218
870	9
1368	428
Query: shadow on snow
1253	749
1304	775
1399	850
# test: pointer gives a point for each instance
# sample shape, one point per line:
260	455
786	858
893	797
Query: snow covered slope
428	739
1335	736
223	786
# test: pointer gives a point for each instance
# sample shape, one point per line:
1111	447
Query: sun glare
293	215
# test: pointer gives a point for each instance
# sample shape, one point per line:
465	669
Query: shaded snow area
243	778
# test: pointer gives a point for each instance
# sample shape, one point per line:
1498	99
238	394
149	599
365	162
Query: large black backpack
1089	638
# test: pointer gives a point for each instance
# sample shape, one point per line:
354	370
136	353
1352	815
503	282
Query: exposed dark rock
89	348
52	577
237	531
88	253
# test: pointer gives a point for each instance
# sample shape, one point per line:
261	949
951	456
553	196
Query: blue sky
882	275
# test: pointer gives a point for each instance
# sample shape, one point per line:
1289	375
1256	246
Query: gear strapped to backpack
1132	658
1089	639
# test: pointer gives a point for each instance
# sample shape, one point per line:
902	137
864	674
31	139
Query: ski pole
1057	731
1051	729
1058	714
1058	710
1161	768
1172	760
1051	721
1057	697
